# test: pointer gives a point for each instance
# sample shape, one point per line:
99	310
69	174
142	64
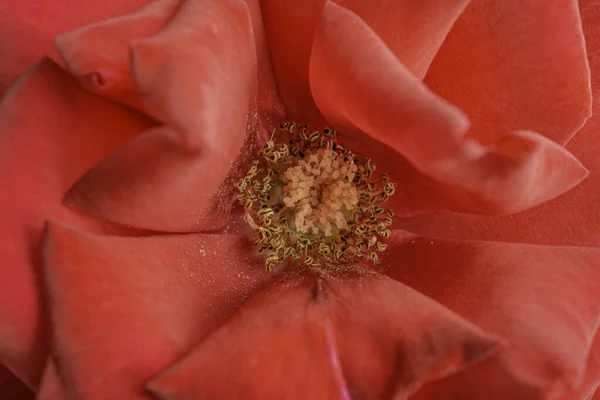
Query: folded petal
124	308
514	65
355	335
414	31
28	27
571	219
99	54
51	132
361	87
198	76
543	300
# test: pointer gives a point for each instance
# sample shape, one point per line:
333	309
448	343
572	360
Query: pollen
312	201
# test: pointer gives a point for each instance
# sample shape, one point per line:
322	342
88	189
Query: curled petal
571	219
543	300
414	31
353	336
124	308
28	27
513	65
360	86
197	76
99	54
51	132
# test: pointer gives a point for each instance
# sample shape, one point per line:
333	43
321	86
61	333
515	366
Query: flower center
315	202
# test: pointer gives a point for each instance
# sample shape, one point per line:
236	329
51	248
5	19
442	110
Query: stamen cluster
313	201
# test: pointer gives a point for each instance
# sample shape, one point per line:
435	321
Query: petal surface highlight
543	300
125	308
307	336
361	87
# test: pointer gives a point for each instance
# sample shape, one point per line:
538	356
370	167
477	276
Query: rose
124	304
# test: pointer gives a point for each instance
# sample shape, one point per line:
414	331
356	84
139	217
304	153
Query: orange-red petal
413	30
361	87
198	77
51	132
324	337
27	28
513	65
571	219
543	300
124	308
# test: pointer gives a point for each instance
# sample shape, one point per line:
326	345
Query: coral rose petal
51	132
124	308
28	27
414	31
571	219
309	337
99	54
360	86
198	76
543	300
513	65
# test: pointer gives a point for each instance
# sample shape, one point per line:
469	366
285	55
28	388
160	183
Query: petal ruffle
198	76
514	65
413	31
571	219
543	300
360	86
124	308
28	27
51	132
360	335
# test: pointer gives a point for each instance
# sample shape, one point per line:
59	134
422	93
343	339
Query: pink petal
124	308
28	27
513	65
543	300
360	86
571	219
198	76
359	335
413	30
51	132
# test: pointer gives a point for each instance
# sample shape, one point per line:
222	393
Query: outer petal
360	335
199	77
359	85
51	132
543	300
124	308
413	30
571	219
516	65
28	27
591	380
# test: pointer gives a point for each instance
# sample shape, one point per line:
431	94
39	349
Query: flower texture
130	269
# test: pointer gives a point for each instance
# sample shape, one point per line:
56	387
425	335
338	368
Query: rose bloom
128	271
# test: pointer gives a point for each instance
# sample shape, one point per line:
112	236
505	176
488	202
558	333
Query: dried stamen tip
314	201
